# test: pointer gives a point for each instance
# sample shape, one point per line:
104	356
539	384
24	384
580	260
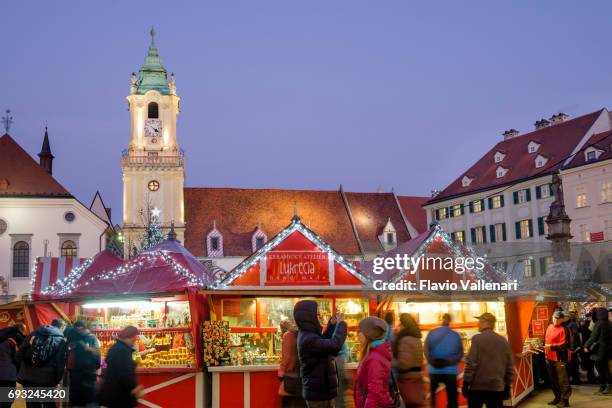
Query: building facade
506	195
39	217
153	165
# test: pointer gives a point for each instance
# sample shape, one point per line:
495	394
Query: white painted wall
37	220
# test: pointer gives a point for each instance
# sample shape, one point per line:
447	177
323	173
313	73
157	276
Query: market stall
249	303
477	290
156	291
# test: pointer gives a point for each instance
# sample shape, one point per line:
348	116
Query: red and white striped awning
51	269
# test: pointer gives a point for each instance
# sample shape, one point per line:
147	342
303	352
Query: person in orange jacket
557	349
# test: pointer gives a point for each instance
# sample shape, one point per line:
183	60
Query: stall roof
165	268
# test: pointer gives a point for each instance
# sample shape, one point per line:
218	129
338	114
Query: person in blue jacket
444	351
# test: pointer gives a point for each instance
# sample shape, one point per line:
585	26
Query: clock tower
153	165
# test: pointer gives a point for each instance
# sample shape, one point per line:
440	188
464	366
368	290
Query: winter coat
9	365
372	381
119	378
444	351
489	365
316	352
602	336
289	365
51	373
407	355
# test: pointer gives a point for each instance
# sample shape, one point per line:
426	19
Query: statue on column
172	84
558	223
134	81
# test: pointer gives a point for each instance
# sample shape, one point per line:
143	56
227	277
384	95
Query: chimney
558	118
45	156
542	123
511	133
434	192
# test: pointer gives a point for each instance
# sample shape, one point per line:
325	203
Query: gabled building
39	217
505	196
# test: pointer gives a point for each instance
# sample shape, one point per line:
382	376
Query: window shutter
482	204
531	228
538	192
462	209
515	196
504	231
552	192
542	266
490	203
492	232
501	200
471	206
541	225
437	214
484	234
517	227
473	234
528	194
533	266
453	236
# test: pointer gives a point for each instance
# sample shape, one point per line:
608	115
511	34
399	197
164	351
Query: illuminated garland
296	225
70	283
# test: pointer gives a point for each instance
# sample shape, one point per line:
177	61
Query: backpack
41	349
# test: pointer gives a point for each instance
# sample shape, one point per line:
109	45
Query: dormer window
499	156
214	242
591	154
540	161
501	172
258	239
533	147
389	235
466	181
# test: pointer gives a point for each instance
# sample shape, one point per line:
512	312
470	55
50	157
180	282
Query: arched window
69	249
21	259
153	110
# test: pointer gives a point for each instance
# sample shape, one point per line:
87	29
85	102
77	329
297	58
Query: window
498	232
259	242
153	185
214	243
608	229
501	172
69	216
390	238
477	206
524	229
499	156
21	259
465	181
592	155
496	202
522	196
153	111
458	236
540	161
69	249
442	213
542	226
585	233
533	147
478	235
529	267
457	210
587	267
581	198
545	264
606	191
543	191
3	227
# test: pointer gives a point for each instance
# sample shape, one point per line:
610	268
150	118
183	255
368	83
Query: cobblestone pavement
583	396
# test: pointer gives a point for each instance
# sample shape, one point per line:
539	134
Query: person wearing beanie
374	370
316	352
119	388
557	349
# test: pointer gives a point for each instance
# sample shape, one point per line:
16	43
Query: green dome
153	75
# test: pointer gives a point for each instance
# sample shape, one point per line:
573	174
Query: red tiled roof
412	207
601	141
237	213
370	212
21	176
557	142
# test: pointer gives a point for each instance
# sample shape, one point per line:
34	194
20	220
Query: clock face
152	127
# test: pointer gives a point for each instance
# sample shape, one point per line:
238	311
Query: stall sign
537	327
284	268
542	313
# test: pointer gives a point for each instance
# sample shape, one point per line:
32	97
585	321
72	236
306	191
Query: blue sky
288	94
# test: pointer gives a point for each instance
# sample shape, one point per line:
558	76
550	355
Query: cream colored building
153	165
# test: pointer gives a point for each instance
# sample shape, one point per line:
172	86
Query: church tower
153	165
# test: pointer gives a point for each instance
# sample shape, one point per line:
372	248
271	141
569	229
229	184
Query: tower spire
153	75
45	155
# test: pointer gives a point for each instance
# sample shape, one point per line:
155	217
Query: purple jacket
372	382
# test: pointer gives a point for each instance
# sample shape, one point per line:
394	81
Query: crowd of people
56	354
390	370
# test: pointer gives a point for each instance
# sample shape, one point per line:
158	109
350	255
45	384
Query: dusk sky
306	95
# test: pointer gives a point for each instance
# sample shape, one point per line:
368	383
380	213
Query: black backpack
40	349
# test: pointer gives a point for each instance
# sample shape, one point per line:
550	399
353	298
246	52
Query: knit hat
374	328
128	332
